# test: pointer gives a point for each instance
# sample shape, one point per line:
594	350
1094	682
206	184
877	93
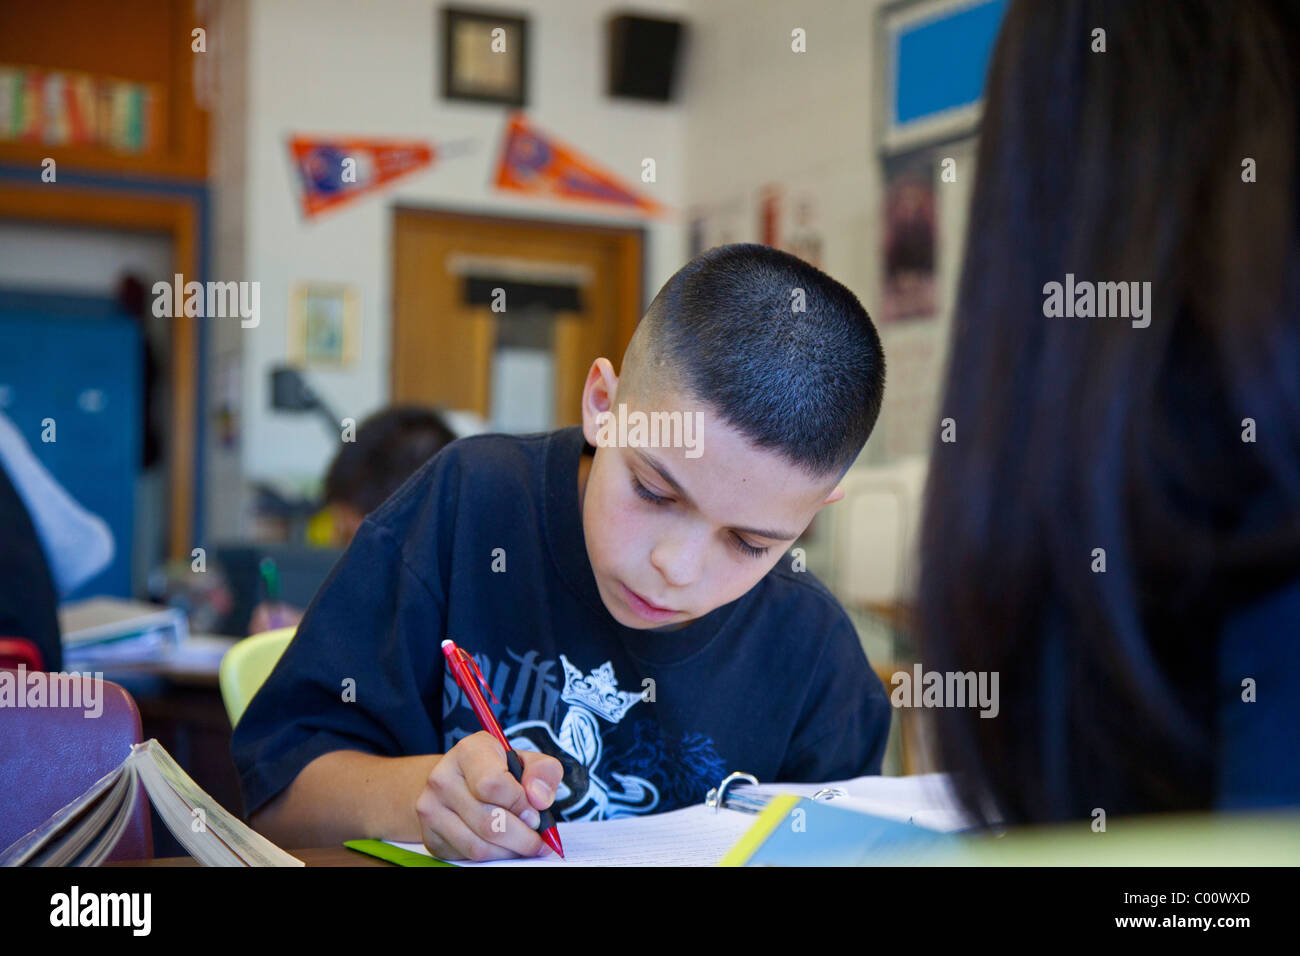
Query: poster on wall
909	241
532	162
332	171
909	416
803	234
324	324
788	220
784	215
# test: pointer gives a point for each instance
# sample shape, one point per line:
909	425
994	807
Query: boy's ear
836	494
597	395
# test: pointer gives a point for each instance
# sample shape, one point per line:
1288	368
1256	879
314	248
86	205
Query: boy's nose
679	559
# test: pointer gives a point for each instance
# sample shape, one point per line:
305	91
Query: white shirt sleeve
78	544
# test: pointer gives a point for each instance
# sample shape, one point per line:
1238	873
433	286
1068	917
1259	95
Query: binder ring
829	793
717	795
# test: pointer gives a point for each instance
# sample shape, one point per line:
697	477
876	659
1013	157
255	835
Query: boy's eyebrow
663	473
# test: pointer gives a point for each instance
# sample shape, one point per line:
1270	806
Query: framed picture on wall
933	56
910	241
484	56
324	320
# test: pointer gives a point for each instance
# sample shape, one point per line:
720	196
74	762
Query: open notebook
701	835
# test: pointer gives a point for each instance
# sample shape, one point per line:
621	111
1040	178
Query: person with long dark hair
1112	521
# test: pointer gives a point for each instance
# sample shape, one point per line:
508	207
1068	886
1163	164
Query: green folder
393	854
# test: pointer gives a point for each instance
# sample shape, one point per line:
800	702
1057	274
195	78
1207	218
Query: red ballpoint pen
465	670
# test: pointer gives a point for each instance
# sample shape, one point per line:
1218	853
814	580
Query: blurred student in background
390	446
1116	528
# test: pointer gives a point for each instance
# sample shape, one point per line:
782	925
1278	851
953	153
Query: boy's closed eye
740	543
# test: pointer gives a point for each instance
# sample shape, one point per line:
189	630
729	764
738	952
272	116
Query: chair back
246	667
79	730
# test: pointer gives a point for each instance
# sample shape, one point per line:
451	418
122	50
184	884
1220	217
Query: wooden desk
318	856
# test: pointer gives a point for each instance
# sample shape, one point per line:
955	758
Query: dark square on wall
474	67
643	55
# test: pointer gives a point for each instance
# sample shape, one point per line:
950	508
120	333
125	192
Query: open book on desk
895	809
85	832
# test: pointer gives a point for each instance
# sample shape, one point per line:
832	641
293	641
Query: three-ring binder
747	800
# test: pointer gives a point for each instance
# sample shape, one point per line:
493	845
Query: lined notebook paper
692	836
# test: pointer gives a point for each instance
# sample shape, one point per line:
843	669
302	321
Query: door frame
180	212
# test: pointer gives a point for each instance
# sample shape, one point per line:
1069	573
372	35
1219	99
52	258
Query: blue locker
77	360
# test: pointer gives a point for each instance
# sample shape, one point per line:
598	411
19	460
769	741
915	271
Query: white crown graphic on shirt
597	692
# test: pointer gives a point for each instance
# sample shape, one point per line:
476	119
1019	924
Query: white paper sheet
692	836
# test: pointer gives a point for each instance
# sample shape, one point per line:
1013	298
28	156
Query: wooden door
442	348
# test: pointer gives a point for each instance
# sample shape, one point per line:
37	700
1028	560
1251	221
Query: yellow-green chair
247	665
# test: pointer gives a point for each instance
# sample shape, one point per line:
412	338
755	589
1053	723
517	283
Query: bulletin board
933	57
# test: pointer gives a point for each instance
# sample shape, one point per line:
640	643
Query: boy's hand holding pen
484	800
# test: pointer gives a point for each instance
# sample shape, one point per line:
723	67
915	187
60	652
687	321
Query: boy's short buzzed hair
727	329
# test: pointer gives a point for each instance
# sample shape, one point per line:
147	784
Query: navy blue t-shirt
485	545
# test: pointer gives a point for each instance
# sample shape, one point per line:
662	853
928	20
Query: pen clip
473	665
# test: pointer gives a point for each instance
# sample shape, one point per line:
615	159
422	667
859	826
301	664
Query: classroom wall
752	114
761	115
381	80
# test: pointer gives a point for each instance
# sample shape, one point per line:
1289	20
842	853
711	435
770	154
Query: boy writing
626	602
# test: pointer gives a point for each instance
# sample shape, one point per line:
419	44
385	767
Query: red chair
53	754
19	650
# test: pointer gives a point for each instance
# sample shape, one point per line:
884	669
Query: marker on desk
271	579
461	664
